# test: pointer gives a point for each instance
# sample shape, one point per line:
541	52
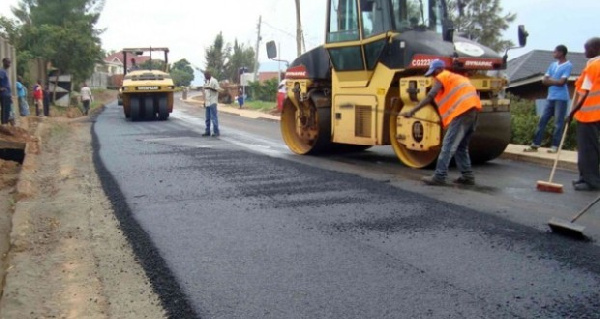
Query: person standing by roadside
86	98
38	98
556	78
46	95
458	105
22	95
211	99
5	92
587	114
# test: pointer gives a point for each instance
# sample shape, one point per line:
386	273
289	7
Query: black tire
134	107
149	113
163	109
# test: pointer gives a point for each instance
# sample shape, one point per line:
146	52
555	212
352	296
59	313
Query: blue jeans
211	116
456	144
23	106
558	109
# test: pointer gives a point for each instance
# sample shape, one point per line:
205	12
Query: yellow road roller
146	94
347	94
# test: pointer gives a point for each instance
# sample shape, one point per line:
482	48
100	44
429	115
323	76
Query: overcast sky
189	27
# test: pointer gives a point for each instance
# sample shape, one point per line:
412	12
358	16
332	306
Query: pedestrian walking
556	78
5	92
38	98
22	97
86	98
458	105
211	99
587	114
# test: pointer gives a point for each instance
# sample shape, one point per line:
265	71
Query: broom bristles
549	187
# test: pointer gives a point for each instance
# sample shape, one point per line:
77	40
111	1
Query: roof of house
535	63
117	57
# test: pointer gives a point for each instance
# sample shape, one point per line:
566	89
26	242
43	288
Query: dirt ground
62	252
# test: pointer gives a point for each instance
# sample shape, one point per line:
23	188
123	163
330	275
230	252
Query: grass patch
260	106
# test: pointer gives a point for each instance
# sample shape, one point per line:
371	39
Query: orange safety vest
590	110
457	97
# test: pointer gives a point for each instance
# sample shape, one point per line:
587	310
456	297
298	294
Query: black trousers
588	152
5	105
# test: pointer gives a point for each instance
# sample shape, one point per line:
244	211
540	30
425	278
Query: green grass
260	106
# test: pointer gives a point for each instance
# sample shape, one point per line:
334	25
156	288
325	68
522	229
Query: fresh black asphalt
223	232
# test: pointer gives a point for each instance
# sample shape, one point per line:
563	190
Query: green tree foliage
60	31
266	91
152	64
481	20
241	57
182	73
215	57
224	61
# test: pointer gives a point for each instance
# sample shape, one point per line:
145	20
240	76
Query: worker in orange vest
587	114
458	104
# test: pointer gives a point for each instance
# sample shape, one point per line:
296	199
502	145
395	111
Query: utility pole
258	38
298	29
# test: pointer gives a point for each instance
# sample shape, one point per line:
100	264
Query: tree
152	64
480	20
215	57
241	57
182	73
60	31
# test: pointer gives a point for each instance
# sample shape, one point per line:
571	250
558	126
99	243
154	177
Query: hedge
524	122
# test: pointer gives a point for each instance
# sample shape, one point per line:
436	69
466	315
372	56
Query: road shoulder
68	258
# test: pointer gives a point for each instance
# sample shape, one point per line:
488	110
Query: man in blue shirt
556	78
5	92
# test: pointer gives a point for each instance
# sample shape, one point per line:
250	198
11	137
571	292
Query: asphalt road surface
238	227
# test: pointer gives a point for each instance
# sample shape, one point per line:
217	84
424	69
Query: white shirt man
211	99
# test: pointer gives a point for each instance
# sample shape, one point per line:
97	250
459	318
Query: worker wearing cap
458	105
587	114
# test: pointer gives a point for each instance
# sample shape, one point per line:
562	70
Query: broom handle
562	140
585	209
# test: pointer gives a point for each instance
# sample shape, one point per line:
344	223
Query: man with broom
587	114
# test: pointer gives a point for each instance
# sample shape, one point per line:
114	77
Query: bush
524	122
266	91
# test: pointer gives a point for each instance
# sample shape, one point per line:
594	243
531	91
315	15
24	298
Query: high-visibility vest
457	97
590	110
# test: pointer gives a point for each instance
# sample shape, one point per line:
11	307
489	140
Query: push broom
548	186
569	228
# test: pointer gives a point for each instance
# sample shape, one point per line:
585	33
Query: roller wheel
149	108
134	107
410	158
163	110
308	133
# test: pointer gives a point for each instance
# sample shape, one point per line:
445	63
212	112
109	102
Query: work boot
464	181
432	180
583	186
531	149
206	134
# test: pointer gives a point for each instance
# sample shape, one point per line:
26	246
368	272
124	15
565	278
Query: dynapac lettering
148	87
479	63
